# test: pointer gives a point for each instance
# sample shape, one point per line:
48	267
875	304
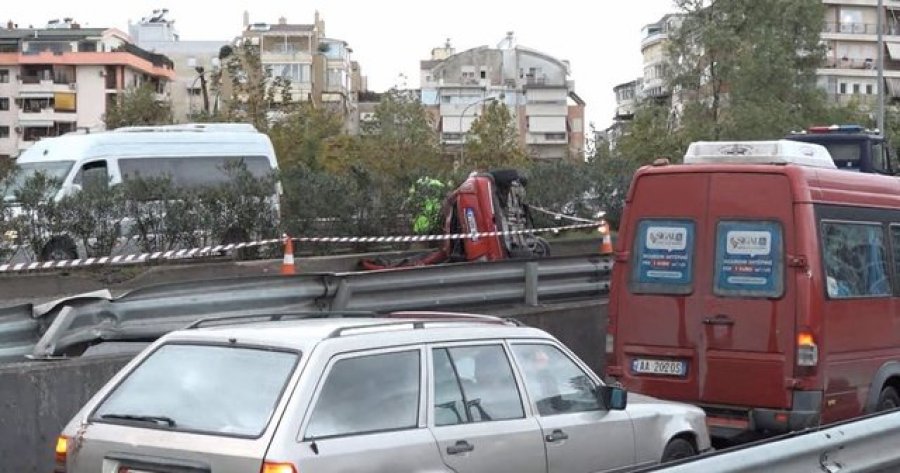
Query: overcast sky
601	38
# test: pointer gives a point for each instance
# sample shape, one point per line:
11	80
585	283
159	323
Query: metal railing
865	445
148	313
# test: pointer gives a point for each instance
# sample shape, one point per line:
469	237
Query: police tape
191	253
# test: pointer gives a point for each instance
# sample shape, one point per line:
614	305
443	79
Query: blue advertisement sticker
665	252
749	259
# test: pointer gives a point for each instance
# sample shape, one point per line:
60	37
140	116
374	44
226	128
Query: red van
760	283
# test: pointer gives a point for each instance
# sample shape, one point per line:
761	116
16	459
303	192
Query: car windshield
201	388
55	171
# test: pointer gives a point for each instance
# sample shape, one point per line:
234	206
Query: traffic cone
287	264
606	248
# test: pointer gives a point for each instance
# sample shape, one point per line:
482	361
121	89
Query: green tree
494	140
747	70
400	137
138	107
304	136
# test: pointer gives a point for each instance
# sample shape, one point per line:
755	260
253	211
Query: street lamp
463	135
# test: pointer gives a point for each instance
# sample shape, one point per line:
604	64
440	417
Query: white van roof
759	152
173	140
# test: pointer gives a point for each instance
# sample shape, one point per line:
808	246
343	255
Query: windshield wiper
155	419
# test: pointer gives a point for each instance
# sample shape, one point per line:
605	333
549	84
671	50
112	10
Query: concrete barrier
37	399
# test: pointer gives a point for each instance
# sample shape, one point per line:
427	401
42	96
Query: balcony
547	138
849	63
653	39
860	29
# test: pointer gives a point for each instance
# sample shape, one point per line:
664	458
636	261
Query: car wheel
677	449
888	399
59	249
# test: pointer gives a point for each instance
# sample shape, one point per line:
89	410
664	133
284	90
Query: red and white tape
143	258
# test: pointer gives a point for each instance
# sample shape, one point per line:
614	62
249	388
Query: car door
477	412
579	434
367	416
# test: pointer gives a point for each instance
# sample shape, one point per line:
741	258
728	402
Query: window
366	394
880	159
4	131
474	384
4	76
296	72
192	171
664	257
224	390
555	136
749	259
4	104
843	87
93	175
856	88
554	382
855	260
870	89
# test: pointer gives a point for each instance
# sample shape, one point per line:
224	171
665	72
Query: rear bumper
806	413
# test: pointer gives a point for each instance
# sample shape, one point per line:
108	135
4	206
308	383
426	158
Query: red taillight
807	350
62	453
276	467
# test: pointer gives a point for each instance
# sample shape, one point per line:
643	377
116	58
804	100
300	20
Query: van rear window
749	259
664	257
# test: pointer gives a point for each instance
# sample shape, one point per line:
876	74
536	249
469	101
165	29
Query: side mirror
612	398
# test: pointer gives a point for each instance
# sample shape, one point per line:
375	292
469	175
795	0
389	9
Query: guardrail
865	445
67	325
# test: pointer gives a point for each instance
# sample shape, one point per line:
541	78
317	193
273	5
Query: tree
400	137
747	70
302	136
494	140
138	107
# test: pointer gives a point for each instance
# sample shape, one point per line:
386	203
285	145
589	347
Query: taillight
807	350
62	452
275	467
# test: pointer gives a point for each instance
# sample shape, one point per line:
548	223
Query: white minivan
193	155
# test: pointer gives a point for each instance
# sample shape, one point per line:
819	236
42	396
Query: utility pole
880	32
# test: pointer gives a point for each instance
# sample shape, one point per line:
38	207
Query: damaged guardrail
67	326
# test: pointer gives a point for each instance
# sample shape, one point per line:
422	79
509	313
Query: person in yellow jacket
429	193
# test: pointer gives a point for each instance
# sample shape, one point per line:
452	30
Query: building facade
320	68
534	85
62	78
849	74
195	62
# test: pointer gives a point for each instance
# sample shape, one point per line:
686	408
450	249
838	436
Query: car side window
93	175
366	394
855	260
555	383
474	384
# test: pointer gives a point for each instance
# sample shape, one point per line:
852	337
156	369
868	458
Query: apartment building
195	62
849	74
320	68
63	77
655	51
535	86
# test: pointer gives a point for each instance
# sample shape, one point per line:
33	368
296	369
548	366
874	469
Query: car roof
304	333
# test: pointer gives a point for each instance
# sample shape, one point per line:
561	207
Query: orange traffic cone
287	264
606	248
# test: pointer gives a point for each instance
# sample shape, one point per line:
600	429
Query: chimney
246	19
282	20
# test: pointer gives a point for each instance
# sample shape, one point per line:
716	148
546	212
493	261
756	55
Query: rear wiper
155	419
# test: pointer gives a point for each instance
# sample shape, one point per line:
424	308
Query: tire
59	248
887	400
677	449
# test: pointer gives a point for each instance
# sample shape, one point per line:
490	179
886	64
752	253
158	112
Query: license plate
663	367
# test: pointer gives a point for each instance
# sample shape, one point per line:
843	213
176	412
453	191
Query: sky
601	38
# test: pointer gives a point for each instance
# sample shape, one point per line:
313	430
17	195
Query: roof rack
250	318
418	320
190	127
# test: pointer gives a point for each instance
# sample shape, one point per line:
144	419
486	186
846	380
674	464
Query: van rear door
708	313
748	318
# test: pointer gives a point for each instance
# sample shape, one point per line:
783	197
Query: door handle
556	436
720	319
461	446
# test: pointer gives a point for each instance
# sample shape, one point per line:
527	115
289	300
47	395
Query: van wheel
59	249
677	449
888	399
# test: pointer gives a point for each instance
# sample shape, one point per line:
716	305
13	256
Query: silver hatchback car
402	392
